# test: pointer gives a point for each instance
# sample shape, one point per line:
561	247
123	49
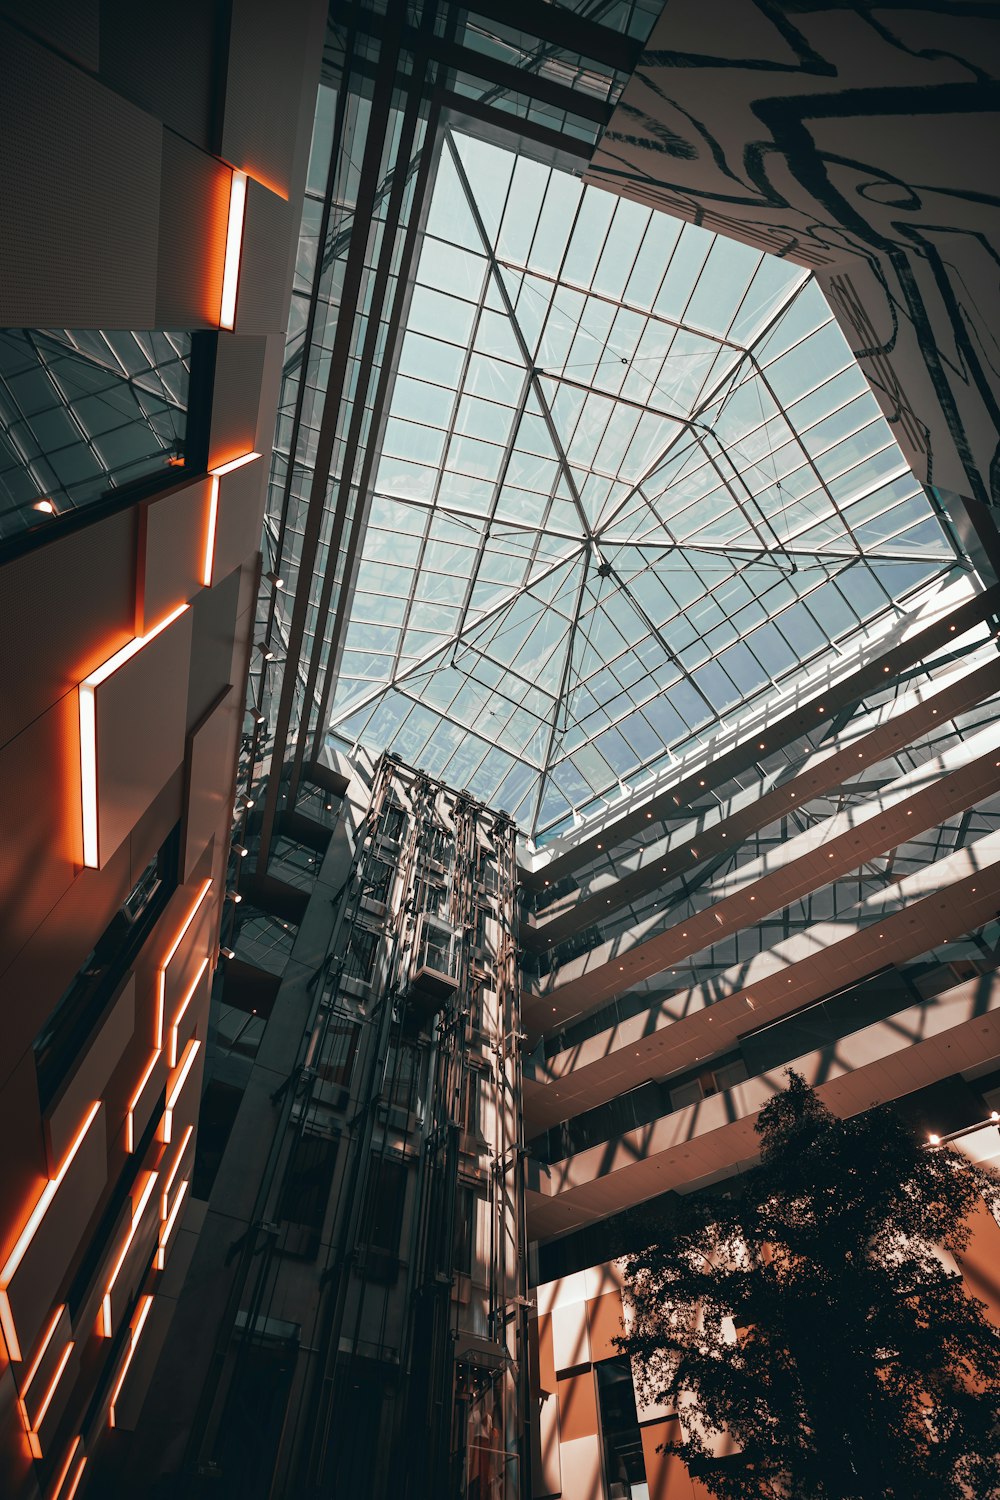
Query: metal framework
556	660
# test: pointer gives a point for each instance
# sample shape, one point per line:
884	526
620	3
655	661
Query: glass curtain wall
83	414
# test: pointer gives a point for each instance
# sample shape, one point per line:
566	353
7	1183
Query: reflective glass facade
83	413
630	480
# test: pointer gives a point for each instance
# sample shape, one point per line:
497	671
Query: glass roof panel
632	482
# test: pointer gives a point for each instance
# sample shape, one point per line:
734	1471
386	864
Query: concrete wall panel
70	26
171	71
581	1468
241	515
194	192
170	552
267	48
210	753
139	712
85	170
214	618
87	577
90	1077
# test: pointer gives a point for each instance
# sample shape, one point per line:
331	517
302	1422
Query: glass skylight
631	477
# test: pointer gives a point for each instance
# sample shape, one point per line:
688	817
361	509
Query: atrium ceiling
631	478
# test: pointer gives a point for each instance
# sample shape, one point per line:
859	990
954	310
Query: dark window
86	413
624	1466
362	948
305	1193
387	1196
442	846
403	1076
465	1229
470	1104
434	897
393	821
338	1051
378	876
246	1445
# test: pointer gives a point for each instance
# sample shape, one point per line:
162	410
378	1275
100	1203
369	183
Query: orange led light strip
215	475
172	1051
133	1103
31	1428
88	731
56	1493
27	1234
187	1062
145	1303
140	1209
234	245
161	973
168	1184
75	1482
167	1229
208	564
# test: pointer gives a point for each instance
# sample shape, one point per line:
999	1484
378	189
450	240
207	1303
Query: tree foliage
811	1320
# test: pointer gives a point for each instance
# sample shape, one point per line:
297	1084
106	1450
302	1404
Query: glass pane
84	413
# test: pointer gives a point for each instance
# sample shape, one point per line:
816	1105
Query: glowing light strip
172	1053
234	463
88	774
190	1053
61	1479
133	1103
76	1479
47	1338
234	245
161	975
136	1220
145	1303
208	563
28	1233
167	1229
32	1428
88	731
174	1170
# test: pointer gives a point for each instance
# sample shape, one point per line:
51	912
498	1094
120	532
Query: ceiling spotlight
234	897
46	507
279	583
258	717
994	1116
227	953
264	650
935	1140
241	850
249	802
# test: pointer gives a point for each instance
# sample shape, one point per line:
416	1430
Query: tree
810	1317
